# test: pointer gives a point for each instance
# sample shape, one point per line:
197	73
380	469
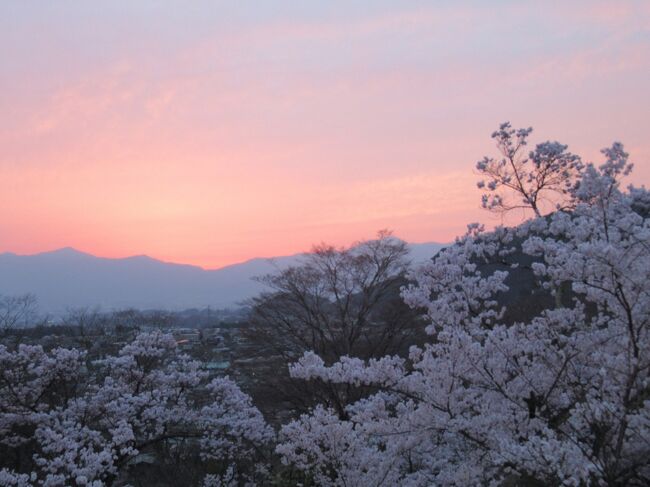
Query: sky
212	132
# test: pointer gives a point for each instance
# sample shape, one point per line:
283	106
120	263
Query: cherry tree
89	423
540	182
562	399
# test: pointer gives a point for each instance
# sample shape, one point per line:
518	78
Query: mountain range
67	278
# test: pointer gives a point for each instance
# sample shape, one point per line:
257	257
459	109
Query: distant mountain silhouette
68	278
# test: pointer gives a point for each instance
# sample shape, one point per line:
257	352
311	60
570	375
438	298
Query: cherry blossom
561	399
87	423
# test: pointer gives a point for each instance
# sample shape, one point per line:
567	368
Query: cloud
262	130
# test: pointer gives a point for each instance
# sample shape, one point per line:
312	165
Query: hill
67	278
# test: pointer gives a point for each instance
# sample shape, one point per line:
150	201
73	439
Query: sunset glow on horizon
209	133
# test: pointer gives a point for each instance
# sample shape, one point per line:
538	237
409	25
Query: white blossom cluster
563	399
542	181
89	422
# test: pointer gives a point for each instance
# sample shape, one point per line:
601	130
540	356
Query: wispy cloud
172	129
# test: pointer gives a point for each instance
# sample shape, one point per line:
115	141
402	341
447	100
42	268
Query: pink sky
215	133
